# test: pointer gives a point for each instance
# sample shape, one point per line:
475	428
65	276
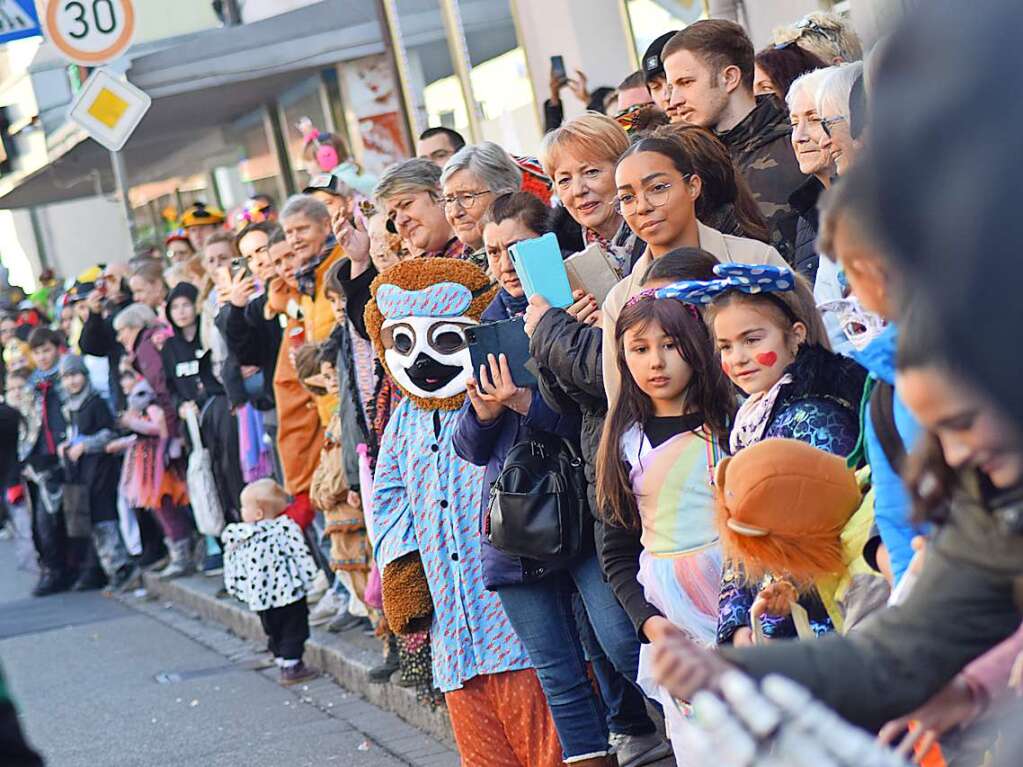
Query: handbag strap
192	422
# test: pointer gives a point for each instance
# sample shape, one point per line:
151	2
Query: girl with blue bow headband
773	346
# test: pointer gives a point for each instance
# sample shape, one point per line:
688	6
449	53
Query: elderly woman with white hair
815	160
833	97
151	480
472	179
409	193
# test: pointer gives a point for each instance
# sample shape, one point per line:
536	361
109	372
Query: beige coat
726	248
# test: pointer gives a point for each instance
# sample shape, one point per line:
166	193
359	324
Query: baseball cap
327	182
652	65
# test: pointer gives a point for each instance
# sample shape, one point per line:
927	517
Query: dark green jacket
761	147
962	605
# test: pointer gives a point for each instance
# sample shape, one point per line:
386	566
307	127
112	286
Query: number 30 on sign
90	32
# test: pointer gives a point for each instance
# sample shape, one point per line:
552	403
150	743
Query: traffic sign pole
121	182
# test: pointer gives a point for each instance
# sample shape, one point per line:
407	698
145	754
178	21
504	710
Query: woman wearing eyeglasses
657	193
833	97
472	179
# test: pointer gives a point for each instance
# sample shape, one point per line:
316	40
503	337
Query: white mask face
428	356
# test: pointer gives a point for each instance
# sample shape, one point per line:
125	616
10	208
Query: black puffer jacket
568	354
804	202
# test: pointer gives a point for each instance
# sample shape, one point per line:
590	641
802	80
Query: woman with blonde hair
580	159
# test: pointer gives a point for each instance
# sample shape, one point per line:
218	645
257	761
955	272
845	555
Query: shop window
652	18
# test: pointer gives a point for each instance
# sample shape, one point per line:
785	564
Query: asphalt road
101	683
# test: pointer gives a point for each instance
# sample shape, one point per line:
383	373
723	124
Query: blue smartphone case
541	270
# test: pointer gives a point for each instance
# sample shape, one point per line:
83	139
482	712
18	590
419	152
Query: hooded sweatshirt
188	365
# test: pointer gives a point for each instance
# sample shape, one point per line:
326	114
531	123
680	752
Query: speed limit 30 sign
90	32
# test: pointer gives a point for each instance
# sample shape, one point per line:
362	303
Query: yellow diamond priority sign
109	108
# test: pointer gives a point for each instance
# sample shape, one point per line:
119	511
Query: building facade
228	94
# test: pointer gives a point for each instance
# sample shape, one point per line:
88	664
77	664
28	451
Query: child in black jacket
90	427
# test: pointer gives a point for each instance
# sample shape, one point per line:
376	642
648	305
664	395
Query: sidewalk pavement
346	657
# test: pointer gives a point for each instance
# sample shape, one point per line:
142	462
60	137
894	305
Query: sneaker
318	590
327	609
346	622
637	750
212	564
297	674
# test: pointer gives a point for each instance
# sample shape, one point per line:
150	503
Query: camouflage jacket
761	148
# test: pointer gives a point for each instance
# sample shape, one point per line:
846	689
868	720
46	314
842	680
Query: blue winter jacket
891	501
488	445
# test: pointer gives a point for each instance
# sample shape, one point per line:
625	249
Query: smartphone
558	69
240	265
541	270
507	337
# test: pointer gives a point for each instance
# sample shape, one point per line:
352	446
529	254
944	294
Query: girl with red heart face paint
756	341
774	347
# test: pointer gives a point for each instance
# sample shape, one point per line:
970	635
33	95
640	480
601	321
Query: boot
180	560
126	579
154	552
382	673
50	582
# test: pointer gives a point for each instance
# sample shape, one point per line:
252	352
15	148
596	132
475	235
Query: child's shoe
300	672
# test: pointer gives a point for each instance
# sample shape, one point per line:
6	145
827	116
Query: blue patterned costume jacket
426	498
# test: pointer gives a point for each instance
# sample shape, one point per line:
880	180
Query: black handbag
77	516
538	503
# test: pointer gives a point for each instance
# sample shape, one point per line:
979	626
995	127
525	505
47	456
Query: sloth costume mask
417	319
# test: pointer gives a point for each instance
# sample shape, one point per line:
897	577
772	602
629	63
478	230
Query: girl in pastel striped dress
656	464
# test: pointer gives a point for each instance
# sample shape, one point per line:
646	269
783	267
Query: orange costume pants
502	720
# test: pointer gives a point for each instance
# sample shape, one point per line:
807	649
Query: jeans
543	616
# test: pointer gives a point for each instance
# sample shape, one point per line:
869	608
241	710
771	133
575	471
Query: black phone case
506	337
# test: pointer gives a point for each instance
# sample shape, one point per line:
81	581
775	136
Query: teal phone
541	270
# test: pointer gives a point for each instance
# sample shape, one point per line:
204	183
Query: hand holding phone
558	71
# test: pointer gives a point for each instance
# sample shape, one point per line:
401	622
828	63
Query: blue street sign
18	20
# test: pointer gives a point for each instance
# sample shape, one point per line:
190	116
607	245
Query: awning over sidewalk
199	84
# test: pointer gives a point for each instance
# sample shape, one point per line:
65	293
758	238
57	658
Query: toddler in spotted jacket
268	566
